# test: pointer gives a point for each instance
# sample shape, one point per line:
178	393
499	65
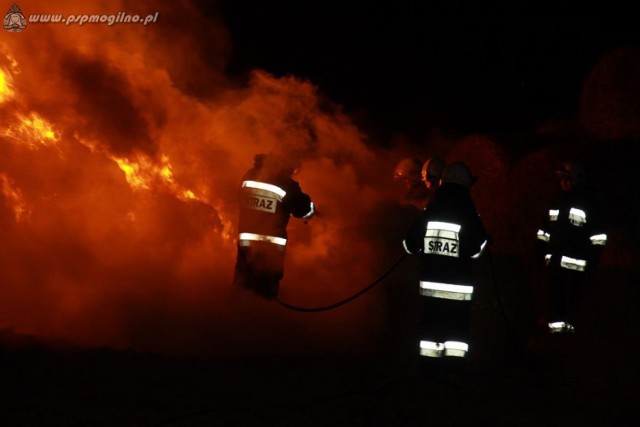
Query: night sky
405	67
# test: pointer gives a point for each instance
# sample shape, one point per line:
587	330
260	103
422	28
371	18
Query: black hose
344	301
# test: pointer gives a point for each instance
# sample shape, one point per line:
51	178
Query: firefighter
570	242
448	237
269	197
431	175
421	181
408	172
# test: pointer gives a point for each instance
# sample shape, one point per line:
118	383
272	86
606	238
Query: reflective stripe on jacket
267	201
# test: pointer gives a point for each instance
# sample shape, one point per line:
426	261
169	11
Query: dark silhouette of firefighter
570	242
408	173
268	197
448	237
431	175
403	303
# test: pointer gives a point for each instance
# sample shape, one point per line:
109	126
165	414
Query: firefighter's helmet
458	173
432	169
258	160
572	170
408	169
280	163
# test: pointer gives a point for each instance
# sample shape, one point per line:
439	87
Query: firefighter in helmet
268	198
432	174
448	237
408	172
421	182
570	242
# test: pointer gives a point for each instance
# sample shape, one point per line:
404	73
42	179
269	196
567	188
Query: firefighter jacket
572	234
448	236
268	199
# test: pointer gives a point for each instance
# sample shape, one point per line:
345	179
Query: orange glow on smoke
121	155
14	197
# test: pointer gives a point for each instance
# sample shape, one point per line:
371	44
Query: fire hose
346	300
498	298
385	274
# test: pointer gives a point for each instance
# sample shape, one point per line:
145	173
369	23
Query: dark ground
592	380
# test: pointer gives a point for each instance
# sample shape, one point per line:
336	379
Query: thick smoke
121	155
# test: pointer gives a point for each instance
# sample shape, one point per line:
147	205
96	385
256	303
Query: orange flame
32	130
145	174
6	87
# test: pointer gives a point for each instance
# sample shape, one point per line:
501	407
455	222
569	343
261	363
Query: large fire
121	151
